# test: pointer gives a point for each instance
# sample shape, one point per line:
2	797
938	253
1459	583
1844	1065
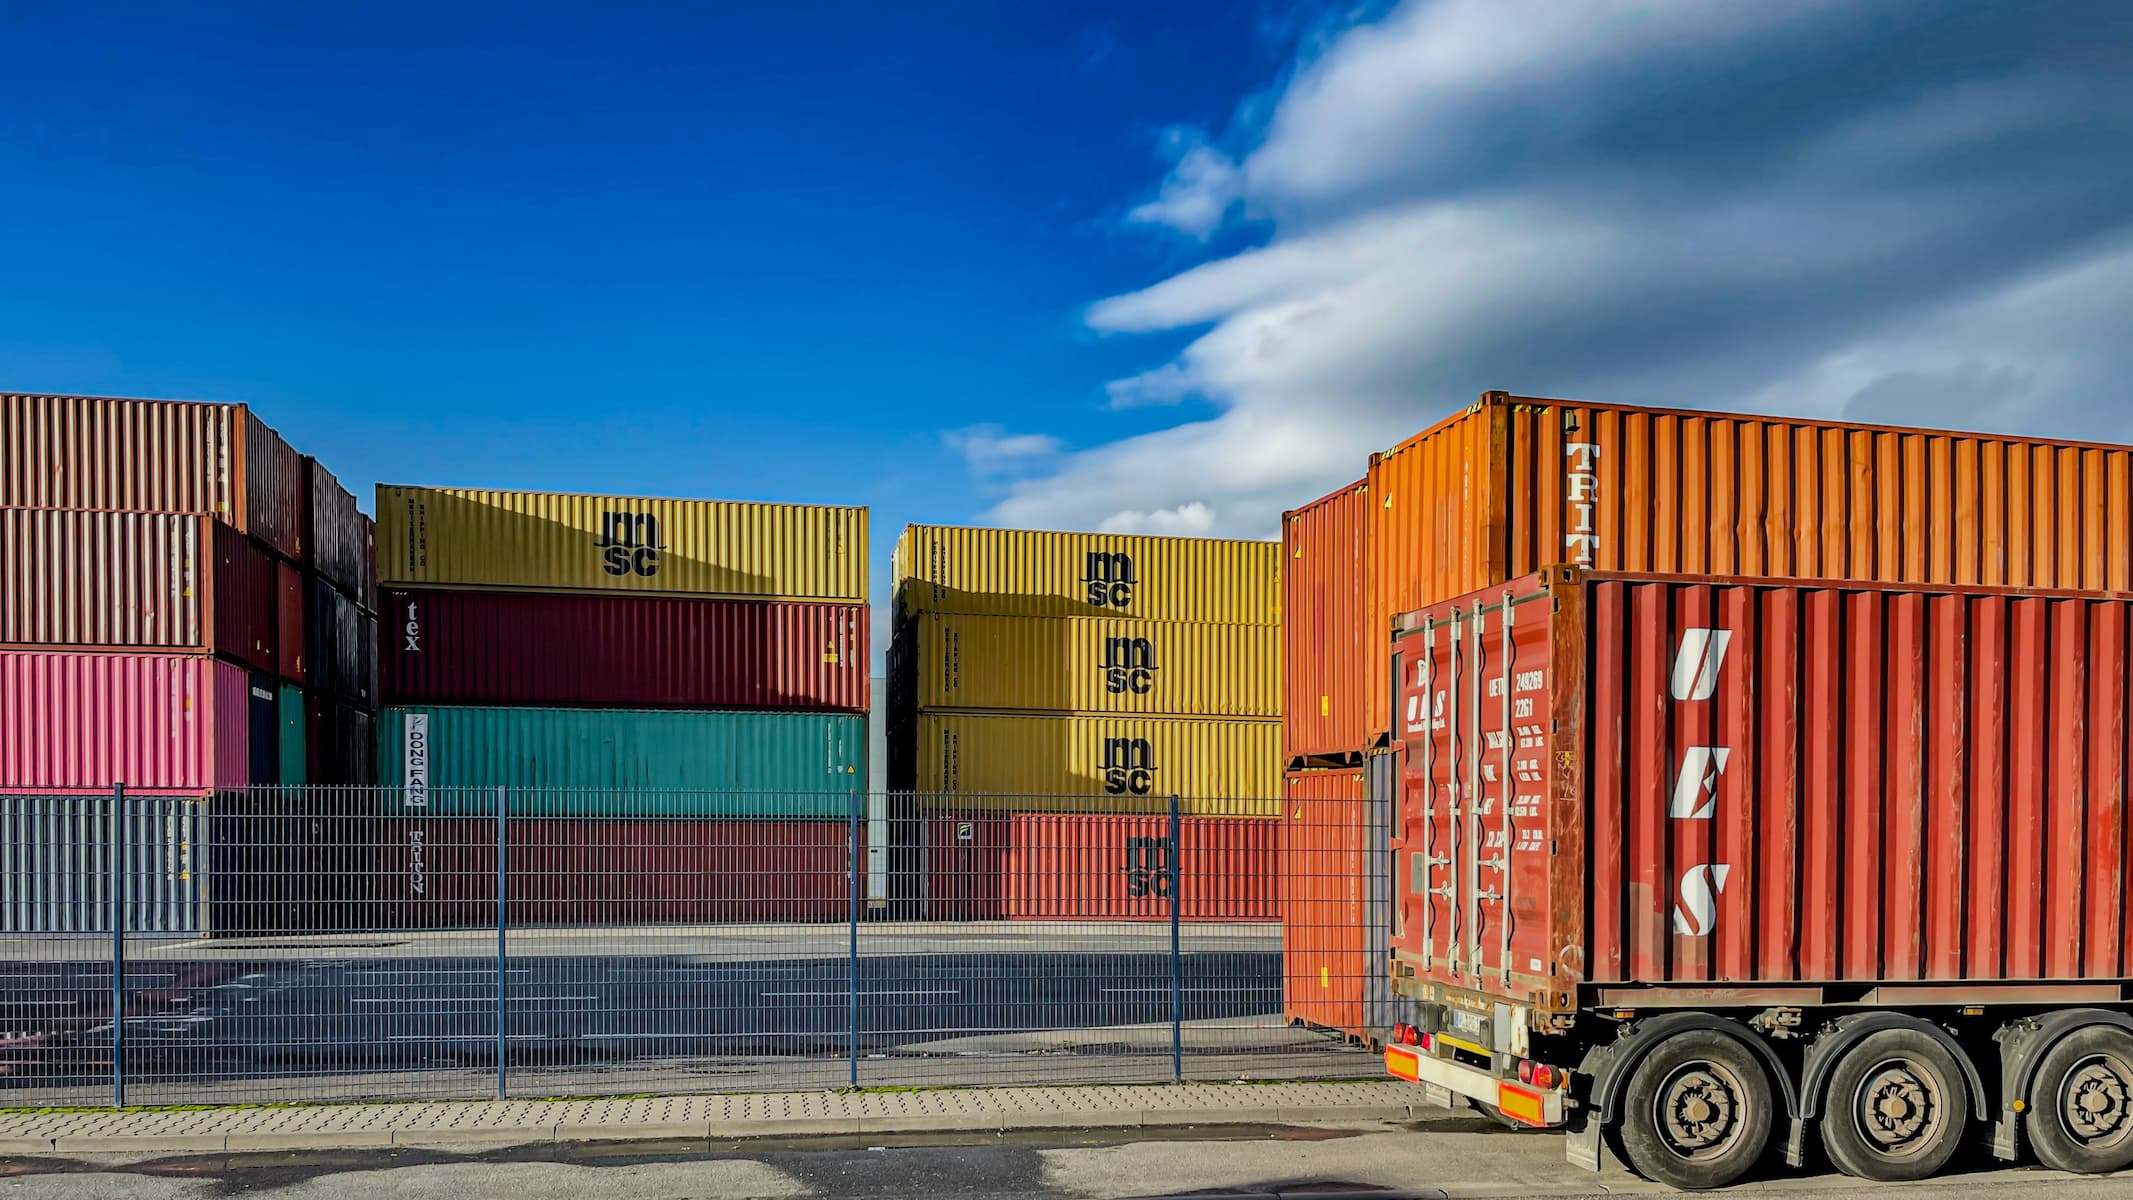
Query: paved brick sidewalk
478	1124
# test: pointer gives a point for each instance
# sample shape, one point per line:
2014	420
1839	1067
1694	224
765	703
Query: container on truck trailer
1704	862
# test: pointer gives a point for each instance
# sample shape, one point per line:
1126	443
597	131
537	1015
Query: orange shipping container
1323	647
1514	484
1325	958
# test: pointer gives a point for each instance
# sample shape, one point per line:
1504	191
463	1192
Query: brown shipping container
169	456
1087	867
1324	648
339	536
441	871
466	647
1516	484
87	580
1325	957
1710	782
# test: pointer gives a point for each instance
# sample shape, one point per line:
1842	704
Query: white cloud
991	452
1188	520
1810	208
1197	194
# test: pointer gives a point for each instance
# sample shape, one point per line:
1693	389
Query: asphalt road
1449	1157
383	1016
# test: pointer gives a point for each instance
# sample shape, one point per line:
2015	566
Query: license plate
1472	1023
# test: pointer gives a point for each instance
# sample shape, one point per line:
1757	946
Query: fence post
852	967
118	945
1177	959
503	1070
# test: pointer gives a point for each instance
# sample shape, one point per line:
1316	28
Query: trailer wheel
2081	1106
1896	1109
1696	1112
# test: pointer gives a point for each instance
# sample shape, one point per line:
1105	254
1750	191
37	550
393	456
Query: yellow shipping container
1097	764
472	537
1089	665
1029	573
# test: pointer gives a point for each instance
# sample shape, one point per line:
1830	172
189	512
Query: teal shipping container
289	716
448	760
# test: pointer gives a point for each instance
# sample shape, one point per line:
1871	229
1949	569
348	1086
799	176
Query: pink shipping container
168	456
530	648
159	723
1083	866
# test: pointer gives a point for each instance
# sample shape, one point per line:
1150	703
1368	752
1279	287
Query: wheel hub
1897	1106
2096	1101
1699	1110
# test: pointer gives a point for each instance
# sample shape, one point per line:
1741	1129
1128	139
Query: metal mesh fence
282	944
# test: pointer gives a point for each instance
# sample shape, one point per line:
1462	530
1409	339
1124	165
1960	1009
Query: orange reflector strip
1403	1065
1521	1105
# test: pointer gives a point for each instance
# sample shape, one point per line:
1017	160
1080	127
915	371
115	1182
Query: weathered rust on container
551	541
466	647
1089	764
1084	867
339	536
158	723
1087	665
1325	957
1514	484
108	454
1038	573
1718	782
1324	643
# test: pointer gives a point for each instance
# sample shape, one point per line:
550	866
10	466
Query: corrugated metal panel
101	579
1326	650
1079	867
441	872
340	536
340	742
606	762
1517	483
290	629
465	647
1325	944
56	864
468	537
1092	665
1937	791
245	601
342	641
1033	573
155	722
1099	764
276	499
290	720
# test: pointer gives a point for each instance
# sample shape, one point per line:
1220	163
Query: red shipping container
1325	646
289	622
1084	866
1325	956
1709	782
159	723
441	871
497	647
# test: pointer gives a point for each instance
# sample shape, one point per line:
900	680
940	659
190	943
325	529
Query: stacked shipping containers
669	694
155	562
1049	693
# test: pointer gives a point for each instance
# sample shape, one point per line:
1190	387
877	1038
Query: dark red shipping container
289	626
1325	960
441	871
1085	866
496	647
1703	781
1325	646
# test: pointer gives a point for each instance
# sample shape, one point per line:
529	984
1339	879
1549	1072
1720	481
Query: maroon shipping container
1325	647
159	723
441	871
1085	866
339	536
123	580
466	647
169	456
289	646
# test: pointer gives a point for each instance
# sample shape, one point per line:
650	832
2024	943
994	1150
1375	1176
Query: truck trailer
1691	866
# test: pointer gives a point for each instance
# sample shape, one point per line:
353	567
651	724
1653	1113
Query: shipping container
1086	867
1035	573
158	723
440	872
1516	484
1325	866
57	868
609	762
1088	665
340	537
468	647
167	456
291	630
548	541
1111	765
291	720
1726	849
88	580
1325	643
342	646
340	742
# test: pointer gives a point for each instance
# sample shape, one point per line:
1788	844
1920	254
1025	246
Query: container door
265	730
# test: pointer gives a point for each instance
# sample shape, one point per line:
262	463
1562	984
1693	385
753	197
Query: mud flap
1436	1095
1796	1143
1581	1148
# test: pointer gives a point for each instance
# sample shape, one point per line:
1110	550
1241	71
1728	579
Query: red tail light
1525	1070
1406	1035
1544	1076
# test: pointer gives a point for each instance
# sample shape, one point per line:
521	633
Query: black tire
1897	1107
1697	1112
2081	1103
